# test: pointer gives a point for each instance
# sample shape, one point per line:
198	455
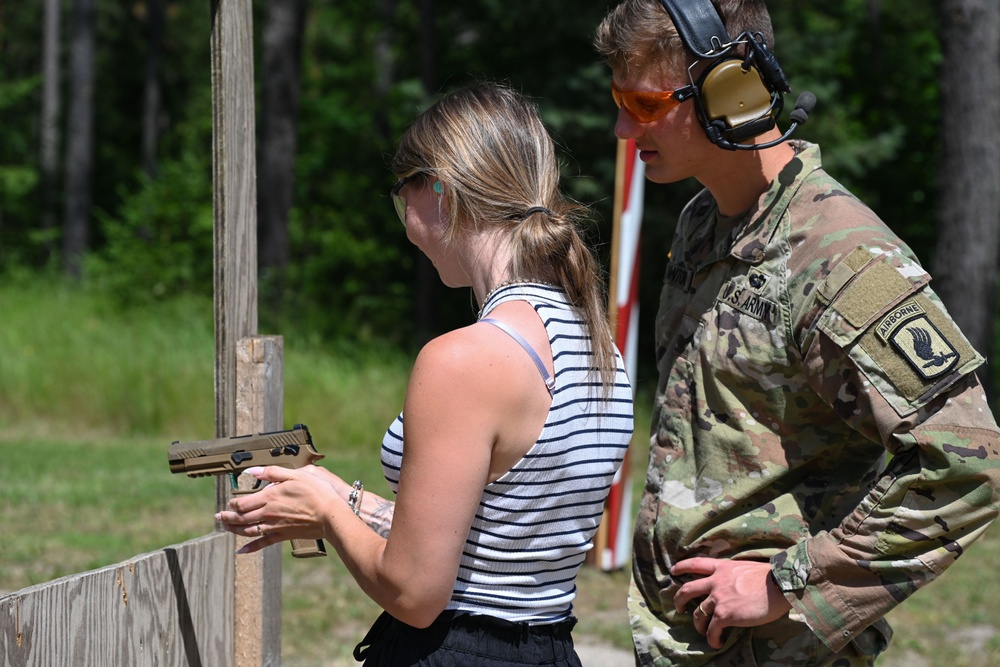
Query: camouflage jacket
797	345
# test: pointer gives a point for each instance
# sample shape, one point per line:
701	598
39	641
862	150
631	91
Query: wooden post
257	590
257	585
234	190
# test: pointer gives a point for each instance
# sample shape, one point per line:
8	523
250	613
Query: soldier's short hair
640	33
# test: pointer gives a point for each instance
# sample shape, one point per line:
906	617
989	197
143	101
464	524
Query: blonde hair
640	33
487	143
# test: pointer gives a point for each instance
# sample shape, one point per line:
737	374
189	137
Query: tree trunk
79	137
965	259
283	34
152	108
49	131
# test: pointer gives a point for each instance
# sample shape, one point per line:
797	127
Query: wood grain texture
257	590
168	607
234	170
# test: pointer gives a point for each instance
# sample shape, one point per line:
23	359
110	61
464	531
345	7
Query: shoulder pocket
894	328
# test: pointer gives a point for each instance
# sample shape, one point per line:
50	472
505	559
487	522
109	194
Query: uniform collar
762	220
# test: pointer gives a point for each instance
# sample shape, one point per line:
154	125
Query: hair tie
531	211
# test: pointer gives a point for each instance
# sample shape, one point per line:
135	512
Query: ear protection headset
737	96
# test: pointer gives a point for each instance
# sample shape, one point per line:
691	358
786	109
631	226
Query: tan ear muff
734	95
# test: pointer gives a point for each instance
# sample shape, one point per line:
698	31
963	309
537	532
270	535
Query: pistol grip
308	548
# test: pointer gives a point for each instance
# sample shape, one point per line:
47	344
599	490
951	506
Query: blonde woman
514	425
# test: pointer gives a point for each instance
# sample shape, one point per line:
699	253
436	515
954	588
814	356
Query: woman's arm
373	509
457	403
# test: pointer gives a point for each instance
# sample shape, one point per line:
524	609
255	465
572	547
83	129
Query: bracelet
354	500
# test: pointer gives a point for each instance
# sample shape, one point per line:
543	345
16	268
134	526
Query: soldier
821	447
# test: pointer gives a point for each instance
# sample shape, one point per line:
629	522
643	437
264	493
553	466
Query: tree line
105	152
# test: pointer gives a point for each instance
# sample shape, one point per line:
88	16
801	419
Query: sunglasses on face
398	200
646	106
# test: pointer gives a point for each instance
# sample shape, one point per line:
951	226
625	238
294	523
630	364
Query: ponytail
549	244
488	144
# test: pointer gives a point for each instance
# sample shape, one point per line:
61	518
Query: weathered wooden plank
169	607
260	384
257	589
234	167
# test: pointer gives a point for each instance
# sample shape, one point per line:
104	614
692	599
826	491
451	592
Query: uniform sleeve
899	372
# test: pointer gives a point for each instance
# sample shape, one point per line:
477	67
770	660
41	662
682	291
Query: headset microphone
804	105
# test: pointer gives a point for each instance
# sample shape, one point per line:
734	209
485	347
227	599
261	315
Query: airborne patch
897	316
916	338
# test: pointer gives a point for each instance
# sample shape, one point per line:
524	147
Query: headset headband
699	25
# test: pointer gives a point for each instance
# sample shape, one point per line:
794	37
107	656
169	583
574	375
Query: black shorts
462	640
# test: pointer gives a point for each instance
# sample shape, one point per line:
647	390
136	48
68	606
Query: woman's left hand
737	593
291	507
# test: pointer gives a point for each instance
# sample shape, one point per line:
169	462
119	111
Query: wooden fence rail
194	604
168	607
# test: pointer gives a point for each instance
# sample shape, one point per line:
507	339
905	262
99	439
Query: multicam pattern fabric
798	346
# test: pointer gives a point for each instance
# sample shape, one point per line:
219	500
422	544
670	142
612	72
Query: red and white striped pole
614	538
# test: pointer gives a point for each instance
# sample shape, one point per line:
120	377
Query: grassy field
91	397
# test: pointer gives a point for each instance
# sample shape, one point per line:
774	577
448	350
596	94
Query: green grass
91	397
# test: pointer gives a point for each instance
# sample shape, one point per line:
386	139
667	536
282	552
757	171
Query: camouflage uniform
796	346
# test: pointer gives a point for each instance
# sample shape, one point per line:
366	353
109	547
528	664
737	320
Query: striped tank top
535	523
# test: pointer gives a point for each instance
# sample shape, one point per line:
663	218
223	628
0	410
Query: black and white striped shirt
535	523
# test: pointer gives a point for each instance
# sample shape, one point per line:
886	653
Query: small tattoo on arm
381	518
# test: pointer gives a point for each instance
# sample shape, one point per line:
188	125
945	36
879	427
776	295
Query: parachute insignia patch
917	339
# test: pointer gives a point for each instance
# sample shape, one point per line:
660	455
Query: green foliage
352	267
78	364
161	241
74	363
877	116
352	270
18	164
80	503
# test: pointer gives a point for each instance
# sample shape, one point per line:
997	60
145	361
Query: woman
515	425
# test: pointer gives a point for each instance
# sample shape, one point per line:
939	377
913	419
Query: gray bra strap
550	382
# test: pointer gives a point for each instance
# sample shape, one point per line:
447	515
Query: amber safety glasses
647	105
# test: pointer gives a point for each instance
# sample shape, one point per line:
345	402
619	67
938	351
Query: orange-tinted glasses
647	105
